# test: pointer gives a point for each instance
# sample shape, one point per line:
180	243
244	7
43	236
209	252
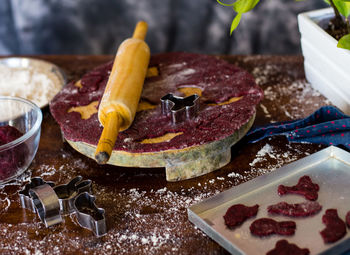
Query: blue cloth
328	126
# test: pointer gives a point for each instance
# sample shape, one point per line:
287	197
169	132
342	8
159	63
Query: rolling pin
123	90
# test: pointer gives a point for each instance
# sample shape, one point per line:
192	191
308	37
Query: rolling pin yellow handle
108	137
140	30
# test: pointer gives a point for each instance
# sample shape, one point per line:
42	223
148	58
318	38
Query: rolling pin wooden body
123	90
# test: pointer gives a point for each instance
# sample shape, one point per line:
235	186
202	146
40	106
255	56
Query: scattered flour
261	155
264	108
235	175
275	157
284	96
262	74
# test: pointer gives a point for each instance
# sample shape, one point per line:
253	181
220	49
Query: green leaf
235	22
344	42
242	6
343	7
224	3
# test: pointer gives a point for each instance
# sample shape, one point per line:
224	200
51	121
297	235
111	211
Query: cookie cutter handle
24	197
46	204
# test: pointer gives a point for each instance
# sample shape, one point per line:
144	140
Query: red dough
347	219
266	227
295	210
305	187
285	248
8	134
335	227
217	79
12	158
238	213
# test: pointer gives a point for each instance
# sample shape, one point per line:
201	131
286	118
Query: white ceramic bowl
326	65
17	155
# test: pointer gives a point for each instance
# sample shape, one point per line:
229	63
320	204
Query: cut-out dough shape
164	138
231	100
85	111
188	91
152	72
144	105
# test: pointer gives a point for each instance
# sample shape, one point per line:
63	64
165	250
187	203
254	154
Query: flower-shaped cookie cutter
180	108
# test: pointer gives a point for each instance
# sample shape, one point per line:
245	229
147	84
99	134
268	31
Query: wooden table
144	213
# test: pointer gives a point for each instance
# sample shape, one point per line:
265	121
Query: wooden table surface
144	213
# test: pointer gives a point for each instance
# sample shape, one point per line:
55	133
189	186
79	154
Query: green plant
341	10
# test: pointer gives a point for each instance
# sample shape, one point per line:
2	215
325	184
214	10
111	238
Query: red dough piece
335	227
295	210
347	219
238	213
305	187
266	227
285	248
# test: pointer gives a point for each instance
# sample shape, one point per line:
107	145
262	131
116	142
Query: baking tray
329	168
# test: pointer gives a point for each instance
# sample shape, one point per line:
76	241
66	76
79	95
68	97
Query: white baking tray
329	168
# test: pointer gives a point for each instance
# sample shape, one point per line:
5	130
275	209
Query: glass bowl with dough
20	125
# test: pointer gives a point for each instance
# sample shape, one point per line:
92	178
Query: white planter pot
327	67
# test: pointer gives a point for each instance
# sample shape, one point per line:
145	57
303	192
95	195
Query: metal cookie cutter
46	203
66	193
89	215
25	199
180	108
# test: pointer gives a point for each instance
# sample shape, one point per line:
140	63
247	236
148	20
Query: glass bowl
20	123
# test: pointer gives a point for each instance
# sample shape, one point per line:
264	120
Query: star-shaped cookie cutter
180	108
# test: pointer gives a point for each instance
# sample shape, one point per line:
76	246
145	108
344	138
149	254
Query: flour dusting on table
270	154
280	89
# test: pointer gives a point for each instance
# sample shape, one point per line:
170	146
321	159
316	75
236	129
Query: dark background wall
99	26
